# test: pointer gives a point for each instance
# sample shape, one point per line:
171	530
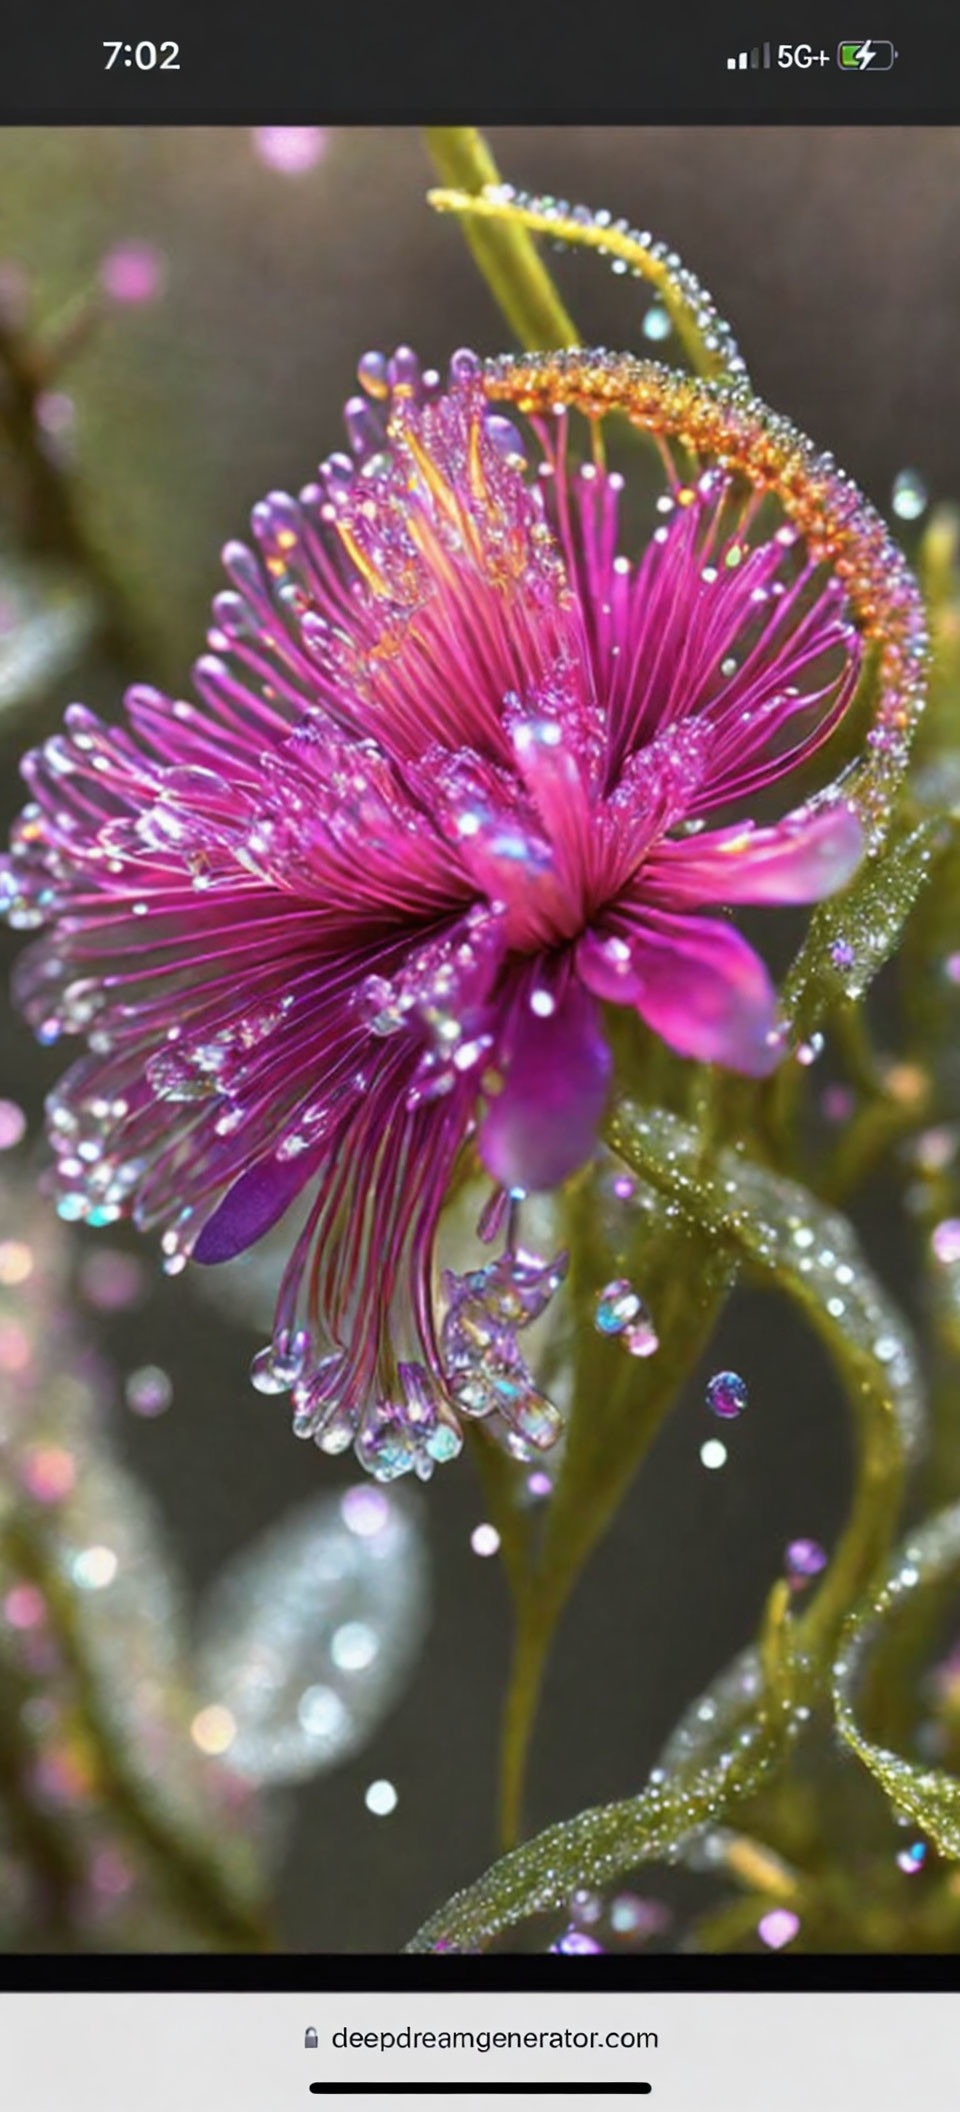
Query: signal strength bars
760	56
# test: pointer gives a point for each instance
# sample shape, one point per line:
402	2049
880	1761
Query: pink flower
462	771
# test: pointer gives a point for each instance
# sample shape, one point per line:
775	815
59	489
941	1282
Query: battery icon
866	54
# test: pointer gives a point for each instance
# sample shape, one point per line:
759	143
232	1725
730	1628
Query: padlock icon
310	2037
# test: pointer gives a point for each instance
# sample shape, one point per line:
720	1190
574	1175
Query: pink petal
543	1124
255	1202
799	859
694	980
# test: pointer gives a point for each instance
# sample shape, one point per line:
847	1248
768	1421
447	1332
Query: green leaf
926	1795
750	1732
729	1745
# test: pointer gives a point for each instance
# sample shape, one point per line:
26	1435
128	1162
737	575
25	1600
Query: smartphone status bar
495	65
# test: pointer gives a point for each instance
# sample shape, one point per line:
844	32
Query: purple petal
543	1125
799	859
694	980
252	1206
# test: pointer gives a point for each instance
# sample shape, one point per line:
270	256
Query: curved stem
706	341
741	1208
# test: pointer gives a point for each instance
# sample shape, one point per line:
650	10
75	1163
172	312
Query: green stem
506	255
619	1406
536	1619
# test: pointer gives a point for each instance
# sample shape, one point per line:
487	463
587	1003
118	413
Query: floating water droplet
909	497
539	1486
911	1860
804	1559
148	1391
381	1798
656	324
726	1394
713	1454
778	1928
617	1305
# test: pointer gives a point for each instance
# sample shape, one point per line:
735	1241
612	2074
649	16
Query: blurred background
211	292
